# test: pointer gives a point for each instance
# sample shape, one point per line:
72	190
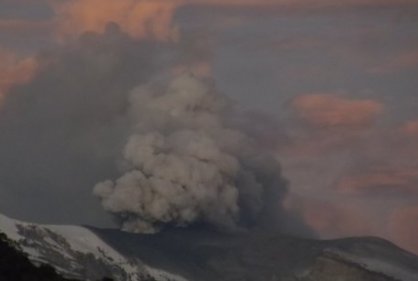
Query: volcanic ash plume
185	165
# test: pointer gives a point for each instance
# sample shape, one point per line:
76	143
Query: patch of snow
32	253
8	227
161	275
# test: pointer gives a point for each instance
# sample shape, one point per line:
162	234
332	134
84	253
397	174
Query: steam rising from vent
183	164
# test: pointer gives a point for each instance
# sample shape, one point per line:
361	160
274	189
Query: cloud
62	131
326	110
19	25
14	70
381	181
155	18
386	164
410	128
331	219
403	61
336	219
403	227
139	18
306	4
199	68
351	176
185	164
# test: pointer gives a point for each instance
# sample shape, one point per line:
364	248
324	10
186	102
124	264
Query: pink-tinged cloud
305	4
403	61
332	220
379	181
139	18
13	25
327	110
14	71
296	6
154	18
403	227
410	128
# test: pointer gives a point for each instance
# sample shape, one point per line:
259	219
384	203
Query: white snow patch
8	227
161	275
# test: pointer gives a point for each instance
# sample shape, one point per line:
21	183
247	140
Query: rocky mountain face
199	254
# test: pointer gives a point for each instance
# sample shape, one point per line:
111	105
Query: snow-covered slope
77	252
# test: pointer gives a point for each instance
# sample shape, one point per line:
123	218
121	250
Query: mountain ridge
200	254
76	252
204	253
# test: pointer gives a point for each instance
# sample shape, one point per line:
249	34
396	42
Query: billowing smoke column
183	164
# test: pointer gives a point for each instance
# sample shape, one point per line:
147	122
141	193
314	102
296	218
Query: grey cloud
185	165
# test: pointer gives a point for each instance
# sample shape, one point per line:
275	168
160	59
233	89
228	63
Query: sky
329	88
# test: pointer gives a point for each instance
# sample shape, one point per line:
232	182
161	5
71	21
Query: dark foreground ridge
201	255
